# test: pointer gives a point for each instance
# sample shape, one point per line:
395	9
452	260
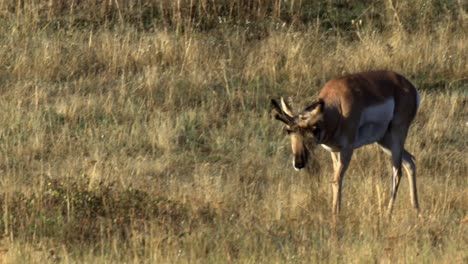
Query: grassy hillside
140	131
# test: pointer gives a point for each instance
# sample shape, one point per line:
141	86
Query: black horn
280	114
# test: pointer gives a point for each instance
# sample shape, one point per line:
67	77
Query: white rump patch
374	123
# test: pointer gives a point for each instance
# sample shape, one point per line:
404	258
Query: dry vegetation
139	131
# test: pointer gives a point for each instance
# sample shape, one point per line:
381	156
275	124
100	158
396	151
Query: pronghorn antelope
350	112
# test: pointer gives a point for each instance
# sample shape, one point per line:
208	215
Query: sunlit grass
128	143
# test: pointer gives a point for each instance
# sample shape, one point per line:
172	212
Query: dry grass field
140	132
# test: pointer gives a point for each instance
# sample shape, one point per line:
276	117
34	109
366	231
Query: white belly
374	123
329	149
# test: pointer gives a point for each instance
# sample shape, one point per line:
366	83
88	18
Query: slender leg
343	159
410	167
335	158
396	176
393	144
396	147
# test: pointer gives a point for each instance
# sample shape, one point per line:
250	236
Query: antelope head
305	128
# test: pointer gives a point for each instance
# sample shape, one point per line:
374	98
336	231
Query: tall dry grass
147	138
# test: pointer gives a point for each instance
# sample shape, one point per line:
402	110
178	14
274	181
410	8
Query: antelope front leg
341	161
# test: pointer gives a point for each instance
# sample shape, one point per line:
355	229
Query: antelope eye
315	130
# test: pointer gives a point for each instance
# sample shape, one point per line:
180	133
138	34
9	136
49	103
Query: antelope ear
286	108
312	114
316	107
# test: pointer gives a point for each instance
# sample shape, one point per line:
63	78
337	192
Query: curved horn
280	114
286	108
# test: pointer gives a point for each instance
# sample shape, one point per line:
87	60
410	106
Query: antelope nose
298	165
